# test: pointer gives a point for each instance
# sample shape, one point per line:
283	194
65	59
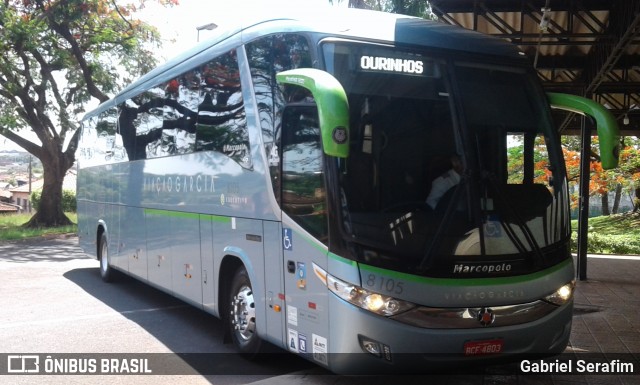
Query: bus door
304	226
314	131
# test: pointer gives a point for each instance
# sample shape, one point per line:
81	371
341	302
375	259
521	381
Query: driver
444	182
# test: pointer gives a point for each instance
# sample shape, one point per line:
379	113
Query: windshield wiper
512	213
444	224
524	243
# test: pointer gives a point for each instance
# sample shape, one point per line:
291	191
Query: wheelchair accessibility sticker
287	239
492	227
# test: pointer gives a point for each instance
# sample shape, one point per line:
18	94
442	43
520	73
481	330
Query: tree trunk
616	199
49	213
605	204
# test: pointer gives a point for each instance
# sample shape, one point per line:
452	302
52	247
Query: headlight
562	295
374	302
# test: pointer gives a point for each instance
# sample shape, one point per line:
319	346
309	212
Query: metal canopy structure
584	47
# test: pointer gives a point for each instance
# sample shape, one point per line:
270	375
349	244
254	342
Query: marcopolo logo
488	268
340	135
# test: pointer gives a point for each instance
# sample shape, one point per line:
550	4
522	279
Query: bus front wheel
242	317
106	271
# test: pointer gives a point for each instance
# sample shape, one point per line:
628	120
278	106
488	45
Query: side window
140	124
87	151
199	110
99	140
149	124
119	153
178	117
163	121
303	188
221	122
268	56
527	159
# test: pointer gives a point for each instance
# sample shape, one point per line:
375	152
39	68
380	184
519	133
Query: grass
613	234
11	227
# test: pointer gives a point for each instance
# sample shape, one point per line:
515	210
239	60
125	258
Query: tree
55	57
630	169
625	179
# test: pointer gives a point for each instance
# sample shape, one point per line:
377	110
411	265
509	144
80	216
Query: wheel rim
243	313
104	259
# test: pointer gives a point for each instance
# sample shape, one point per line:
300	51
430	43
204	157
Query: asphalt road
53	303
52	300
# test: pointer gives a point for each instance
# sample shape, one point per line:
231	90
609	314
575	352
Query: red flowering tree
601	182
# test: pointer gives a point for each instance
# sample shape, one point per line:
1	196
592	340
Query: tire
106	271
242	315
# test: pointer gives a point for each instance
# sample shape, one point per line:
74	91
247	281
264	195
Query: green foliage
626	175
612	234
35	198
55	57
89	42
418	8
609	244
69	203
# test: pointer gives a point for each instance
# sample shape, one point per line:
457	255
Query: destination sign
389	64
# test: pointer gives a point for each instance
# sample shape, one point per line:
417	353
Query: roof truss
584	47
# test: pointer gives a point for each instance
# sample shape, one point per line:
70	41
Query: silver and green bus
286	176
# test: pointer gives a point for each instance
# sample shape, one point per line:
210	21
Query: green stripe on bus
218	218
182	214
342	259
465	281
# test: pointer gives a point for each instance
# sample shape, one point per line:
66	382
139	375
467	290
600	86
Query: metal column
583	214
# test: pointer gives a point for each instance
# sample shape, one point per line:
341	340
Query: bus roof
351	23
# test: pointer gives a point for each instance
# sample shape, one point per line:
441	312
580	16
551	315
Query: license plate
479	348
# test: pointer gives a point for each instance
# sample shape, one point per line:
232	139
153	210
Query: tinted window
303	188
268	56
99	141
200	110
222	124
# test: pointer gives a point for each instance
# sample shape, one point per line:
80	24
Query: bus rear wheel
106	271
242	316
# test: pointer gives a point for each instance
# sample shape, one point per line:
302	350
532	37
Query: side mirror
331	101
608	131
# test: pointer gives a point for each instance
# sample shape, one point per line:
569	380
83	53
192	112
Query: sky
178	24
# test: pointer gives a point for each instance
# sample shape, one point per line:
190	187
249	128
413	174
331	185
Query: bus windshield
453	167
